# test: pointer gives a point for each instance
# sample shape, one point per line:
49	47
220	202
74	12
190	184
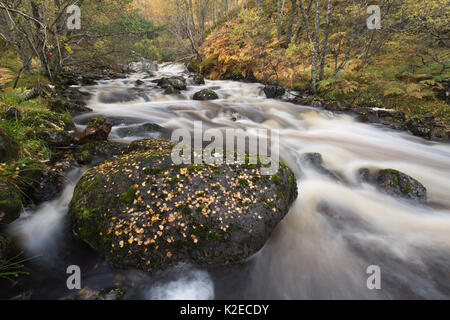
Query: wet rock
95	152
140	130
12	114
198	79
315	160
55	176
274	92
364	175
178	83
9	147
142	211
118	96
171	90
56	138
398	184
74	107
139	83
98	129
427	127
110	294
205	94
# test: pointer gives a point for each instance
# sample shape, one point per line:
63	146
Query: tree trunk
325	40
316	49
291	22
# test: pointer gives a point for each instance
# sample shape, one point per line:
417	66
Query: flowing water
311	255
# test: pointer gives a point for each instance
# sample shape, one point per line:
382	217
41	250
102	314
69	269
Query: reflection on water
310	254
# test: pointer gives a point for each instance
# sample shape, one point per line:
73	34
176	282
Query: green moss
243	182
185	210
129	196
276	179
174	180
85	156
192	168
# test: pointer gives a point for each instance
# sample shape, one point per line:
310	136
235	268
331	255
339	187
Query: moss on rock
140	210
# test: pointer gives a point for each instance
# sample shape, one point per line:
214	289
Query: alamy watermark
74	280
374	280
74	19
374	19
236	146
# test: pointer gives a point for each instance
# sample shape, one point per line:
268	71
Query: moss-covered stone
140	210
205	94
398	184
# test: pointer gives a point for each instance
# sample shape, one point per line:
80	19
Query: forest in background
322	48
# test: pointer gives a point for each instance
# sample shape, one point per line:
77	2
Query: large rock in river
140	210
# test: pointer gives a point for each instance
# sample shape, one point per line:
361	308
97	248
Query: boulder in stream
205	94
274	91
395	183
141	210
98	129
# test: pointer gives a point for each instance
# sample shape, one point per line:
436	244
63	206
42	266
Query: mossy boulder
94	152
178	83
206	94
9	147
98	129
198	79
274	91
141	210
395	183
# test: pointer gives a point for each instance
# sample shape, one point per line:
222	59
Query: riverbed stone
274	91
205	94
141	210
396	183
98	129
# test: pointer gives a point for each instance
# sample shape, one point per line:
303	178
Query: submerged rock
140	210
315	160
141	130
118	96
98	129
273	92
205	94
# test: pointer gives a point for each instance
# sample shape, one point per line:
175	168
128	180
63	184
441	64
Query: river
310	255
